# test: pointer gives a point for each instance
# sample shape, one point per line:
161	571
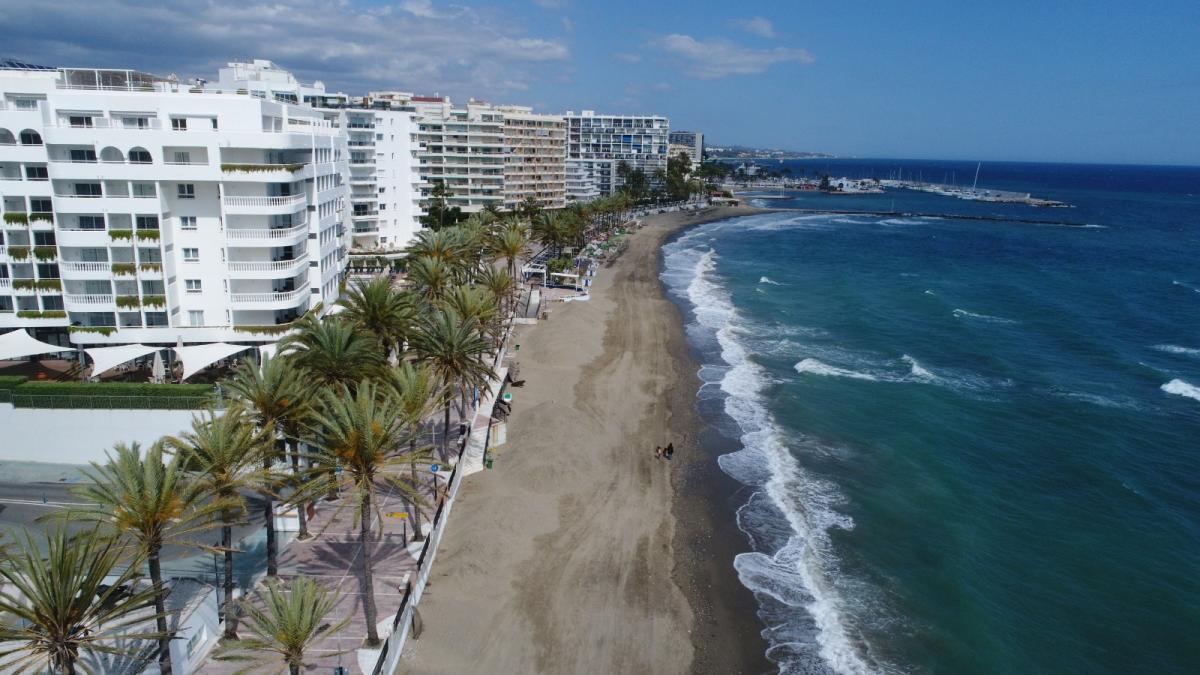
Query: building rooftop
13	64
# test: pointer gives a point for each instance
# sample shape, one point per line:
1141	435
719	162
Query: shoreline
579	551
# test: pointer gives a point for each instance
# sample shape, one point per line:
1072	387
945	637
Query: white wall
81	436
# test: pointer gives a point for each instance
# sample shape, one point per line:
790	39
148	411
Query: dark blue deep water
973	447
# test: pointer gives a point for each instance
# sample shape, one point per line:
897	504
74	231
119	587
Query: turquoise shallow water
973	447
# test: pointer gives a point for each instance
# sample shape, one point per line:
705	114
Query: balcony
282	236
285	300
90	301
266	173
263	205
268	269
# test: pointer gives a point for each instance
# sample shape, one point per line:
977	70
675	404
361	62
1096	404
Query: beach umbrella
158	371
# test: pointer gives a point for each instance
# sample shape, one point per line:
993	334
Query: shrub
18	252
260	168
45	252
24	284
123	268
48	284
103	330
14	218
151	267
154	300
47	314
110	395
120	234
149	235
265	330
48	217
128	301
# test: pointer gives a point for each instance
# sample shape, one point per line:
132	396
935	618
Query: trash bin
488	462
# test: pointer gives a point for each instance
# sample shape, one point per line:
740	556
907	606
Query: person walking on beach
658	452
669	451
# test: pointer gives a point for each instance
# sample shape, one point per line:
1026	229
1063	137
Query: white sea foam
895	222
1176	349
804	571
1186	285
1181	388
917	370
815	367
767	280
929	292
962	313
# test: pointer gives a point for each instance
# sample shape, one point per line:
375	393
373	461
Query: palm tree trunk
160	608
301	507
368	580
293	669
227	544
269	516
446	430
417	535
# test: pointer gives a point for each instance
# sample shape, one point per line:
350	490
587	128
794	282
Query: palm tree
289	619
416	390
223	453
376	307
271	392
453	348
509	243
430	277
333	352
500	283
62	602
550	230
361	431
151	502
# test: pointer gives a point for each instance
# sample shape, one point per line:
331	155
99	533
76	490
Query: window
187	222
144	190
135	122
147	222
43	239
183	158
30	138
52	302
81	121
25	103
139	156
91	222
40	205
87	190
179	123
191	255
192	285
381	190
214	122
187	190
195	318
83	155
36	173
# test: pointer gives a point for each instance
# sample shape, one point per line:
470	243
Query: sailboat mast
976	183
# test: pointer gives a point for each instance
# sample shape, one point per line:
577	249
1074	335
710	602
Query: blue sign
434	468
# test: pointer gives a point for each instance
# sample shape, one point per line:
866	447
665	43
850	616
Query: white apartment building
602	142
580	181
385	185
690	142
535	154
463	149
138	209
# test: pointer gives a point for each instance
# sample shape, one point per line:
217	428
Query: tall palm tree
333	352
61	602
549	229
501	284
416	390
430	278
272	392
151	502
509	243
453	348
224	454
377	308
288	620
360	432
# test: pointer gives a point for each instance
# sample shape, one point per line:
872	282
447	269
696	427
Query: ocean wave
929	292
803	571
1100	400
894	222
815	367
1176	349
962	313
1181	388
916	369
767	280
1187	286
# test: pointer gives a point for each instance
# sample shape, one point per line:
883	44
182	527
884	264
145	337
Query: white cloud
712	59
756	25
416	45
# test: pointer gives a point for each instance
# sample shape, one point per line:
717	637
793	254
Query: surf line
920	214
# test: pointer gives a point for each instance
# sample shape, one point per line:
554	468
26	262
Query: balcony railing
70	266
254	298
266	233
90	299
290	200
272	266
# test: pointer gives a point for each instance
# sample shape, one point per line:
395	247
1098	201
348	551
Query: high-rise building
141	209
581	181
691	142
535	153
604	142
461	148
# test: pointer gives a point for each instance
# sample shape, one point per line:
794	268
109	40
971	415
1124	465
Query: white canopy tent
18	344
107	358
198	357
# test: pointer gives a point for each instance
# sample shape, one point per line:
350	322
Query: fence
389	656
103	401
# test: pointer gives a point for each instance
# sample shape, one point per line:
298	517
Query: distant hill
744	152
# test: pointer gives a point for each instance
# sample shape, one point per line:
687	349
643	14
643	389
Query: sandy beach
581	552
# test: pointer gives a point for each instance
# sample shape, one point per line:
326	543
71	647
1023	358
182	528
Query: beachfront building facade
601	143
535	155
141	209
462	148
580	182
690	142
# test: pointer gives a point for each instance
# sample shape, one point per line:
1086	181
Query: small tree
284	624
439	213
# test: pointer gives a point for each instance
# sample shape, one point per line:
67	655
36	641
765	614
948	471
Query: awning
18	344
107	358
198	357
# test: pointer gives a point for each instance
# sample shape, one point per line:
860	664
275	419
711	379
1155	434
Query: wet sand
581	552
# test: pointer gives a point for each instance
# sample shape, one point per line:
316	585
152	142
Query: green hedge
44	253
150	267
128	301
260	168
120	234
110	395
123	268
103	330
7	384
18	252
149	235
154	300
48	217
48	314
14	218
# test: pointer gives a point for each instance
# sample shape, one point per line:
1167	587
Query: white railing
253	298
56	194
275	266
86	266
5	283
266	233
290	200
90	299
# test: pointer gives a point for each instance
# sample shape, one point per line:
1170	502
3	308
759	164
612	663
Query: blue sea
969	446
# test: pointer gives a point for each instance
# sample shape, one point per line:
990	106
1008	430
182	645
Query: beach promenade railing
389	655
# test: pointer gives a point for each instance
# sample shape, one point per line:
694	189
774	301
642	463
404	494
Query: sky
1069	81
